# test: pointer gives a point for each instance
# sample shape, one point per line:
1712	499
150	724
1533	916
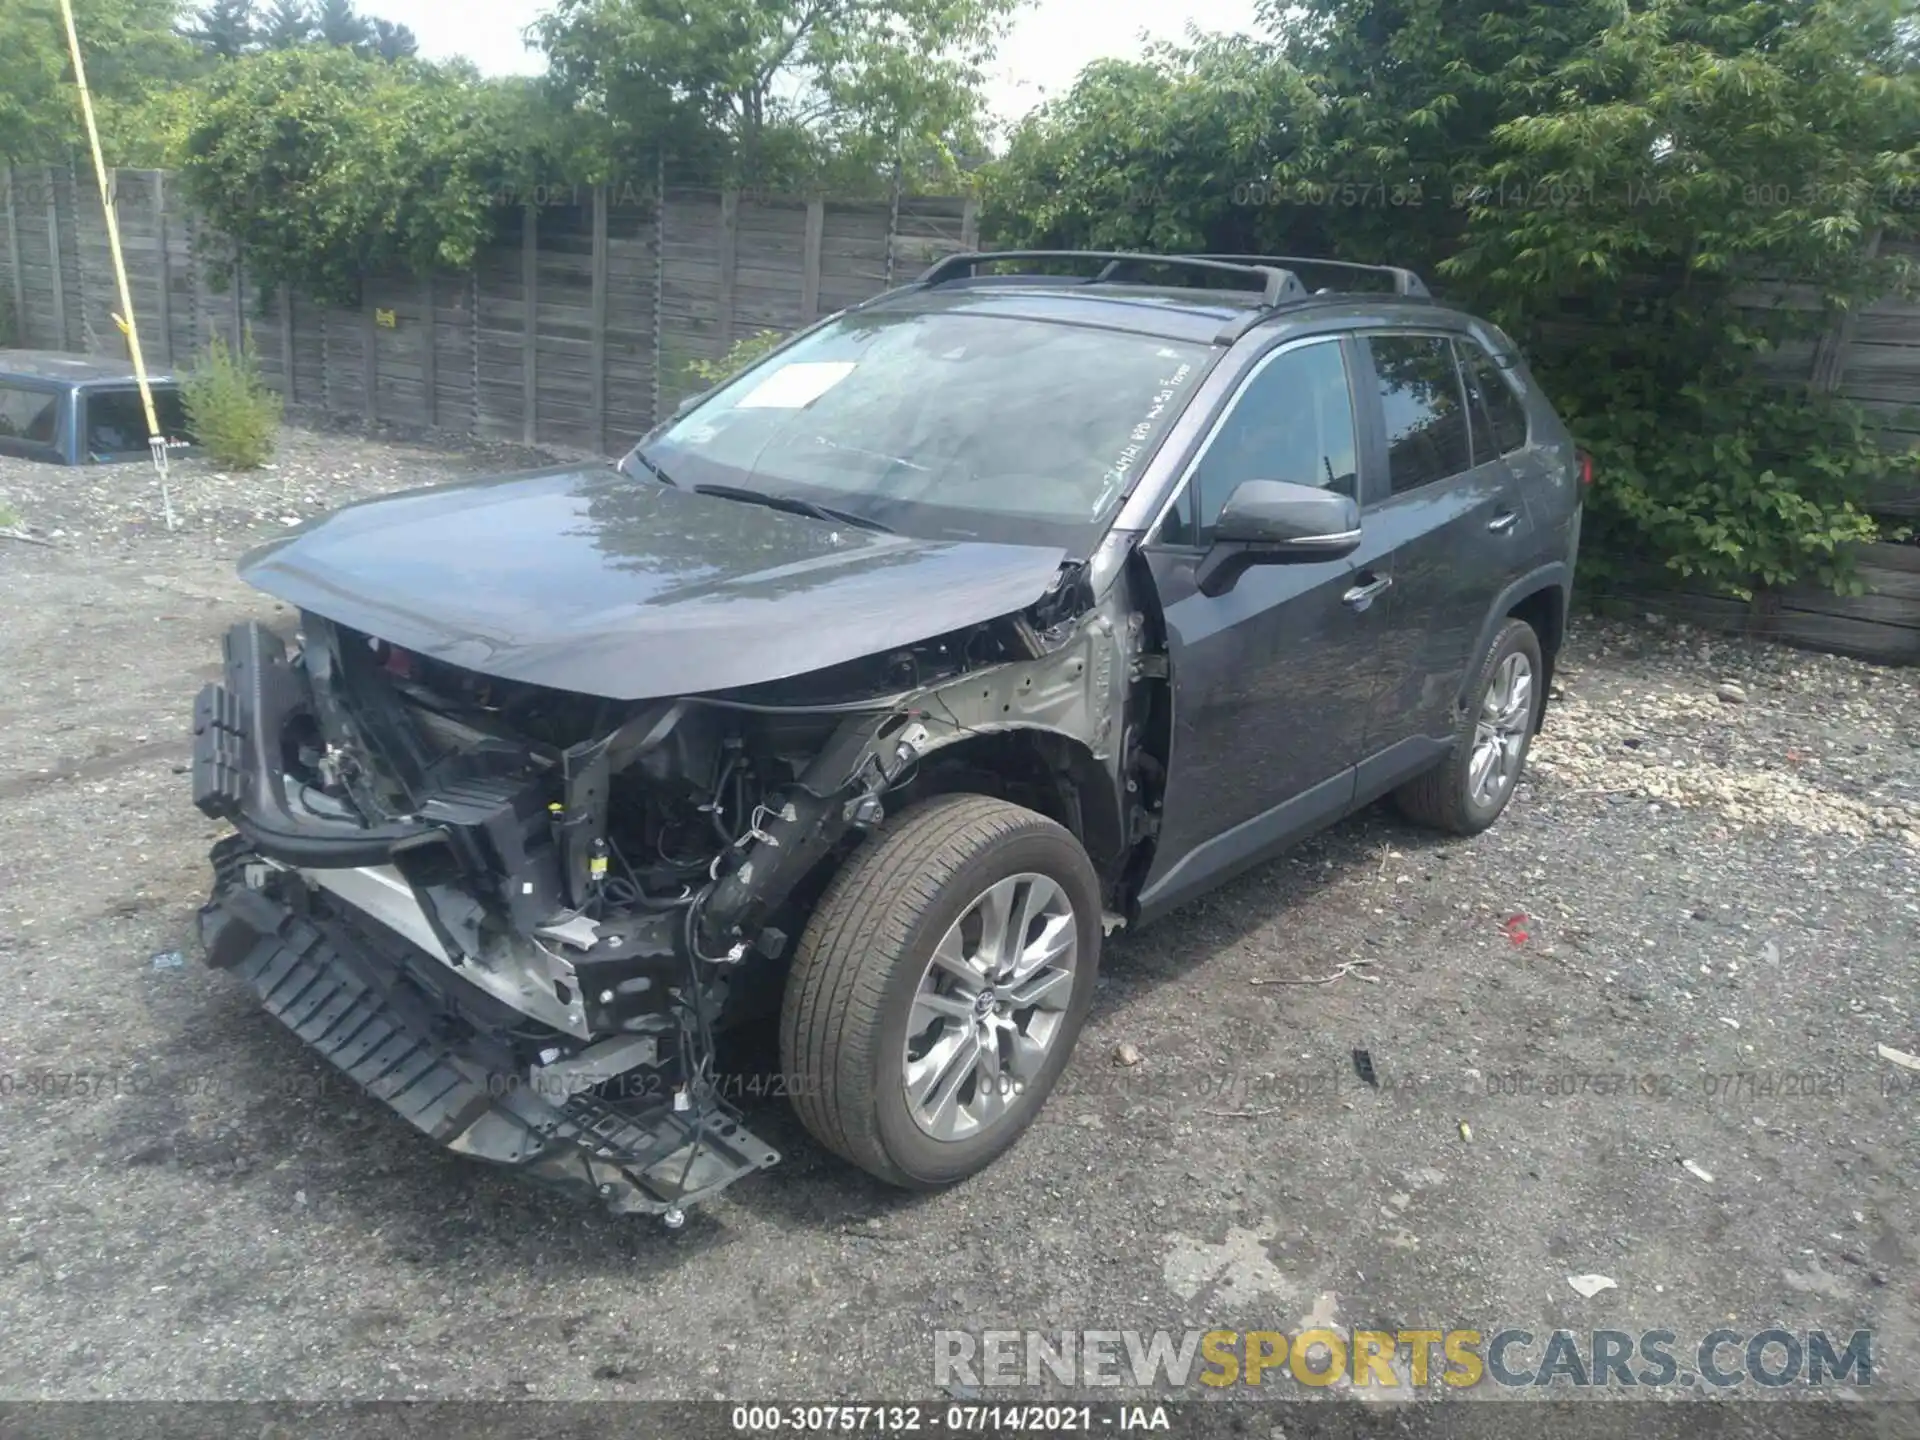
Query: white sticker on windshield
794	387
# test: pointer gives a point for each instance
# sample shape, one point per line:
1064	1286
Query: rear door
1450	532
1271	680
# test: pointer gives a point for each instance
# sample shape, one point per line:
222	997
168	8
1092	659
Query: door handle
1361	596
1503	522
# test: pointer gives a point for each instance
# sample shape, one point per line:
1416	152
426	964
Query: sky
1047	46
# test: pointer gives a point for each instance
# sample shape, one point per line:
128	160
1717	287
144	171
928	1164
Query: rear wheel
939	989
1466	793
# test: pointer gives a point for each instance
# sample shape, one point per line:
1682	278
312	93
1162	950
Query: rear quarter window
1503	412
28	415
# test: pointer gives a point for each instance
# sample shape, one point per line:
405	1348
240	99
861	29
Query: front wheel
939	989
1466	793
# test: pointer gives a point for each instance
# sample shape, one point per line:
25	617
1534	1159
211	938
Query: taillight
1586	467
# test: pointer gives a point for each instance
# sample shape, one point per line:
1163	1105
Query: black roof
73	370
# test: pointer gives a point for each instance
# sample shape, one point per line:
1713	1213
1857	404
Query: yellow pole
156	442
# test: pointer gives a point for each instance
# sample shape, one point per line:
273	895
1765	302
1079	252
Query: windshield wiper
652	469
792	504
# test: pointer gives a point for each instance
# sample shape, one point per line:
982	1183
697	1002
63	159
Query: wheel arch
1052	773
1540	598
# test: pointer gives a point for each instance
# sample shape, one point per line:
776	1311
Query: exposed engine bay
549	903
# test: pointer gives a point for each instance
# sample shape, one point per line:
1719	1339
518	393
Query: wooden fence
1882	625
574	329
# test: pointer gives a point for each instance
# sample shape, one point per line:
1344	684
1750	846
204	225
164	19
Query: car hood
588	580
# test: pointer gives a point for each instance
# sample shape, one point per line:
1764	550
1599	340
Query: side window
27	414
117	421
1293	421
1496	409
1424	409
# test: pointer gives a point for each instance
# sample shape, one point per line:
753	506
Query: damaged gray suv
872	691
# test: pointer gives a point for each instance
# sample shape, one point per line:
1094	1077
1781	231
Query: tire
864	982
1447	797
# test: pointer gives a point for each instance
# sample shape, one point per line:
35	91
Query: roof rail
1277	282
1405	282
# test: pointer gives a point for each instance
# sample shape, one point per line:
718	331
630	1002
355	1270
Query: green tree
1165	153
1402	116
393	42
767	89
331	166
285	24
336	22
132	52
225	28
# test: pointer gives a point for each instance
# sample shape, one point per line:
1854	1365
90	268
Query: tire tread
831	1013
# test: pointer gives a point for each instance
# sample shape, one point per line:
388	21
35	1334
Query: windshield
944	425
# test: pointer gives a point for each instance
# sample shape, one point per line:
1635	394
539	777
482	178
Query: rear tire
1467	791
867	991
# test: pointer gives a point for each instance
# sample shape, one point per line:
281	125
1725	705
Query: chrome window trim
1151	528
1503	375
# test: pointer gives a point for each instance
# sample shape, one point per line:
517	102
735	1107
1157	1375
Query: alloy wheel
989	1006
1500	731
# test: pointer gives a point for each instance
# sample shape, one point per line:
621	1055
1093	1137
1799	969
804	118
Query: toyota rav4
873	690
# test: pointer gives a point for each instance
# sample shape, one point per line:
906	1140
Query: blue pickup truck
82	410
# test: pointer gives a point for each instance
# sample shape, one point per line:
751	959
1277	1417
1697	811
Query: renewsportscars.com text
1458	1358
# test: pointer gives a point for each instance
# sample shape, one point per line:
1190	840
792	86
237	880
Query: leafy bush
742	353
1731	480
330	166
233	415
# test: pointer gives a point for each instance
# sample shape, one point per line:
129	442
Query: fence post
369	356
659	277
970	223
473	350
163	262
53	259
429	360
90	341
13	253
893	222
600	318
810	261
286	342
323	315
729	265
197	273
530	322
239	299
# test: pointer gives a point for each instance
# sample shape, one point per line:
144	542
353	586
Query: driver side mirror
1276	522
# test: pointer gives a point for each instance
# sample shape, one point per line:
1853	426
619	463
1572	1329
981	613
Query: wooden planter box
1882	625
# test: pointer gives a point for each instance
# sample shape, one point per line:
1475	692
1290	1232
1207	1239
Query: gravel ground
1708	885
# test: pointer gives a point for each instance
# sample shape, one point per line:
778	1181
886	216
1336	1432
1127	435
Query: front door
1272	679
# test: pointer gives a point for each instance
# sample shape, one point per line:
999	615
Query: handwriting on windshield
1121	470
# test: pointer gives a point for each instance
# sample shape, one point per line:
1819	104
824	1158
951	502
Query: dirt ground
1630	1032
